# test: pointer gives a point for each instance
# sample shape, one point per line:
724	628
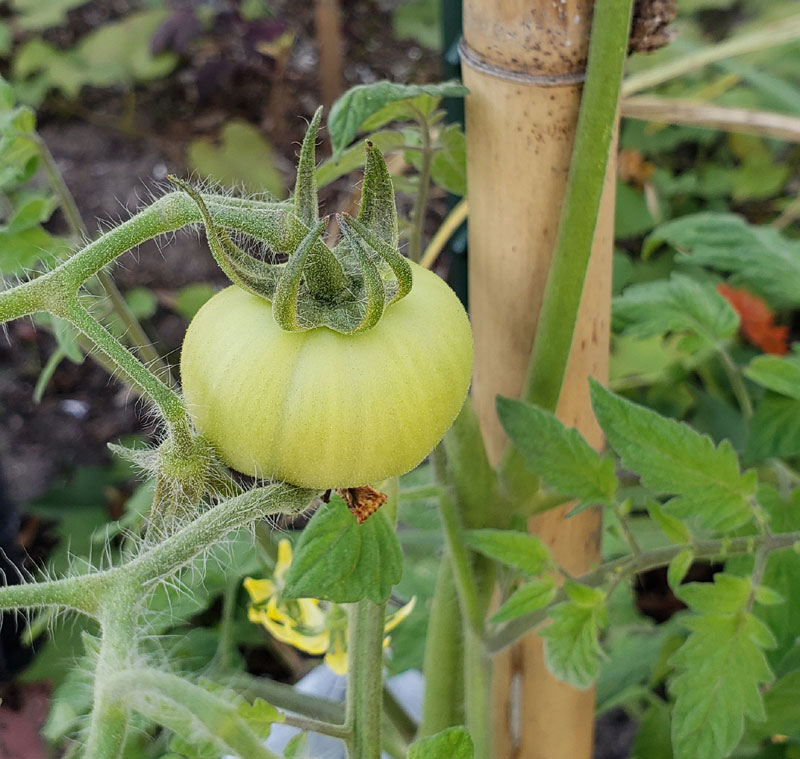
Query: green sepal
385	255
372	282
306	204
287	305
378	212
251	274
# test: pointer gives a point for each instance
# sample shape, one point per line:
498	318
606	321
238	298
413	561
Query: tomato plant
322	409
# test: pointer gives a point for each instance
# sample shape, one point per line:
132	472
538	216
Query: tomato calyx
347	288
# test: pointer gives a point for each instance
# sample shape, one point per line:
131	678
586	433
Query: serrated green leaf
359	103
260	716
453	743
678	567
558	454
673	459
674	530
532	595
728	594
679	304
768	596
778	373
720	669
515	549
336	559
572	646
759	257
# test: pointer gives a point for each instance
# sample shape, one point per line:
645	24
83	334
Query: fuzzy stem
443	704
466	586
212	526
627	566
478	693
168	401
157	695
133	329
110	716
77	593
421	201
596	123
365	679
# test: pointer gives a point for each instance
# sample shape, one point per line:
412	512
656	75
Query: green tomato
320	409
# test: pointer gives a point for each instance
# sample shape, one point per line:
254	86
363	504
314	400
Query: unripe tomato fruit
320	409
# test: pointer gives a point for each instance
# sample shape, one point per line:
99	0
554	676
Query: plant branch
133	329
365	678
78	593
466	586
596	125
628	566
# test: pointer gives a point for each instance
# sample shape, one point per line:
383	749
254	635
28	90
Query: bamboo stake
523	64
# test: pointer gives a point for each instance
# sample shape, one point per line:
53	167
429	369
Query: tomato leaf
679	304
674	459
759	256
515	549
534	594
720	669
779	374
572	646
453	743
774	429
558	454
352	109
336	559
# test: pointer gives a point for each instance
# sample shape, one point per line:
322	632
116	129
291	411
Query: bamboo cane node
473	59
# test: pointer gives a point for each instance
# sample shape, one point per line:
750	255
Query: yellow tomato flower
306	623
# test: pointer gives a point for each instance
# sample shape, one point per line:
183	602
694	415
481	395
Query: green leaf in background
774	429
353	158
243	157
449	164
782	574
759	175
142	302
572	647
533	595
780	705
778	373
558	454
453	743
760	258
673	459
35	15
190	299
719	669
419	20
336	559
653	739
353	108
514	549
632	217
679	304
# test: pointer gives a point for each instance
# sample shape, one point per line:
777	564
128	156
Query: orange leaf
757	320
